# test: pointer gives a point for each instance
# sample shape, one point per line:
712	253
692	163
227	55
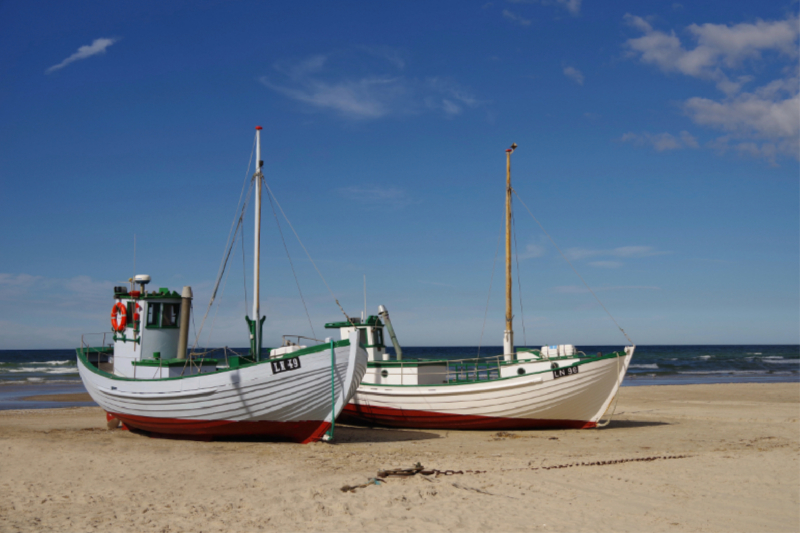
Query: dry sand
62	471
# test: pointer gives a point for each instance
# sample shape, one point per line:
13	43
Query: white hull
536	399
252	400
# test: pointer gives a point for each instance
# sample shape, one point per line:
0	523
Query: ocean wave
39	370
734	372
705	357
753	353
780	360
654	365
37	381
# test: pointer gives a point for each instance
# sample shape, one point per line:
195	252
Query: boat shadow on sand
626	424
344	435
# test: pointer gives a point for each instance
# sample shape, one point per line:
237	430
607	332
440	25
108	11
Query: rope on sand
419	469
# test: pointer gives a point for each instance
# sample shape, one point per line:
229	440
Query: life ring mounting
119	317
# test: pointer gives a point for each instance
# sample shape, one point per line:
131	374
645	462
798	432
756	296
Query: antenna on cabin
134	262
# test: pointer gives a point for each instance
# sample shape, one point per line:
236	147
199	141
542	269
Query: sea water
34	372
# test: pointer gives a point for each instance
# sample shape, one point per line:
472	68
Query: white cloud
661	141
98	46
764	122
369	96
516	18
717	46
574	74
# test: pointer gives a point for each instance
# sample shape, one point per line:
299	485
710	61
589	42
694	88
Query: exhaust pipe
384	314
186	308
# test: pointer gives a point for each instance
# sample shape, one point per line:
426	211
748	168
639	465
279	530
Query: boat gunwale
304	351
612	355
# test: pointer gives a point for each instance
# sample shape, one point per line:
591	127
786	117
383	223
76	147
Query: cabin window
153	314
131	308
378	336
162	315
169	315
362	337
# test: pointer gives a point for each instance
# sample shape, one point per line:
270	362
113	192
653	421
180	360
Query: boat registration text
561	372
284	365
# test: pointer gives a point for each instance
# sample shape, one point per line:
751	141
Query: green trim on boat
174	362
305	351
373	364
372	321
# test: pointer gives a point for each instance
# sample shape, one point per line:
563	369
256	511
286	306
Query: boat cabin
146	328
370	335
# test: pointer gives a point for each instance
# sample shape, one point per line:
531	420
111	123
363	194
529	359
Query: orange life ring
119	317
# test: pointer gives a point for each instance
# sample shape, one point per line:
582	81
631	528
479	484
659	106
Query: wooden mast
508	334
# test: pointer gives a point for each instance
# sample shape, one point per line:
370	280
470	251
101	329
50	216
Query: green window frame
163	315
153	314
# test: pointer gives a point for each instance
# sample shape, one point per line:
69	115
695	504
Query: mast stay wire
519	277
228	245
306	251
573	268
244	273
225	258
278	222
491	279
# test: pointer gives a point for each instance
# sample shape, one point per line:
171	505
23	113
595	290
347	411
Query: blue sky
658	144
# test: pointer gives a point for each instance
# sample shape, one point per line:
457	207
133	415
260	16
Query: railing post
329	433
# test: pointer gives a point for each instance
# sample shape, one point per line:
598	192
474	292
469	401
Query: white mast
257	248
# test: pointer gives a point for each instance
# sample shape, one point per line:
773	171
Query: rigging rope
306	251
573	268
244	275
228	243
222	271
491	279
278	222
519	278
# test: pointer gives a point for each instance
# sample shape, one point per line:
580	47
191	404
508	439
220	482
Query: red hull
362	415
302	432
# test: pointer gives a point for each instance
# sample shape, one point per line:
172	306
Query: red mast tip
259	127
507	149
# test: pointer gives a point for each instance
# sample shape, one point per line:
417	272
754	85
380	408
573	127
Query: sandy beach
721	458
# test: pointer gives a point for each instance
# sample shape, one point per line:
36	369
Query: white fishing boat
147	380
555	386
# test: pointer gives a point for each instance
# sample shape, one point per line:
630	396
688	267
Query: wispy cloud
379	197
321	86
574	74
606	264
621	251
662	141
98	46
576	289
532	251
573	6
518	19
762	122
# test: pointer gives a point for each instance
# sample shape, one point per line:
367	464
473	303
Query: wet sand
76	397
677	458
